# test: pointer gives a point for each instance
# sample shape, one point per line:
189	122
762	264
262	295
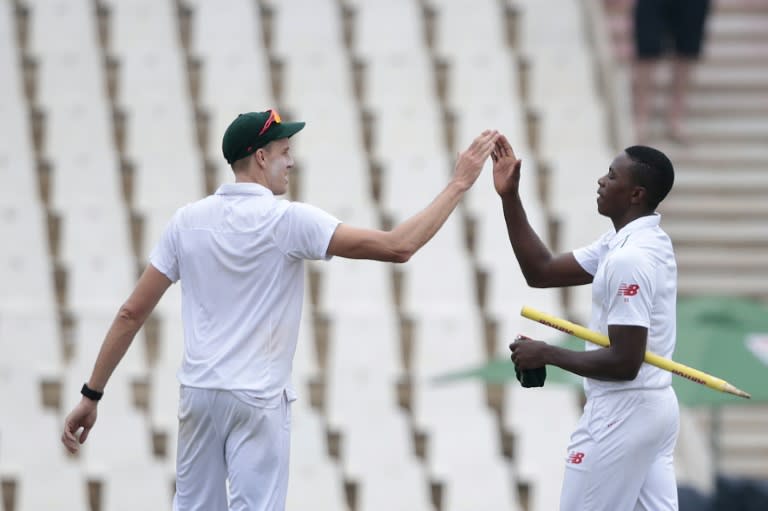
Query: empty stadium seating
111	117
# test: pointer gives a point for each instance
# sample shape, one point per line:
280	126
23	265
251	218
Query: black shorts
669	25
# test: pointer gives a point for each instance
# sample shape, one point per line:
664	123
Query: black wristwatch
93	395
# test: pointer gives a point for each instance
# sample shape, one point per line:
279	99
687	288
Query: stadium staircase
717	214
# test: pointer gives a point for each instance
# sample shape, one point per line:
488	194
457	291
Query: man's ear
639	195
261	157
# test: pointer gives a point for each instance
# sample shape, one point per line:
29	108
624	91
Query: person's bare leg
681	77
642	92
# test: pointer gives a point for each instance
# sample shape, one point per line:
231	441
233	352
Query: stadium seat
27	378
81	178
372	451
410	181
477	485
539	31
100	282
226	28
400	80
163	384
395	487
26	275
66	74
444	341
438	279
93	229
31	338
351	288
17	169
304	26
141	25
540	445
47	487
345	394
332	92
386	27
467	27
323	176
315	481
119	487
162	184
247	89
306	366
151	75
407	131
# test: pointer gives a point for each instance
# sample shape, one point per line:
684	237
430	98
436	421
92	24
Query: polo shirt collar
243	189
644	222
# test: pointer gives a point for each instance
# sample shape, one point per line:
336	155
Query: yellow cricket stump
690	373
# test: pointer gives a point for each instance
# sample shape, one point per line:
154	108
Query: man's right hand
470	162
506	168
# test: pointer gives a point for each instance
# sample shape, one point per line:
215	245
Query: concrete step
722	260
719	130
736	53
702	104
716	230
719	79
752	467
721	29
736	6
726	54
688	159
734	416
756	245
697	283
738	26
749	442
711	206
745	416
719	7
728	180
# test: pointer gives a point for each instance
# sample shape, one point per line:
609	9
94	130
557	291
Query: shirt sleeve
630	287
304	231
589	257
165	255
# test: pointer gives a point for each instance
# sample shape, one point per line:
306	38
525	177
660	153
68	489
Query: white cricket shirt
635	283
240	257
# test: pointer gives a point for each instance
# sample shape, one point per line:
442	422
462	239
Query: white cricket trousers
225	440
620	457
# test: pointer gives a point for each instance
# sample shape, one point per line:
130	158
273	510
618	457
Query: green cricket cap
253	130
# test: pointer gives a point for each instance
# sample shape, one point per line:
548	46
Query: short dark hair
652	170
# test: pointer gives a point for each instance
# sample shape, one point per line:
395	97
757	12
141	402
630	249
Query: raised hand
470	162
506	167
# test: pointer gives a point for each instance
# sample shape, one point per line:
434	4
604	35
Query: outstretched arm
540	268
130	318
399	244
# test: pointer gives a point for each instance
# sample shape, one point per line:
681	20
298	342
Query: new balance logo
575	458
628	289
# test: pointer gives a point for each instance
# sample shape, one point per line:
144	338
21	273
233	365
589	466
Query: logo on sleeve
628	289
575	458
